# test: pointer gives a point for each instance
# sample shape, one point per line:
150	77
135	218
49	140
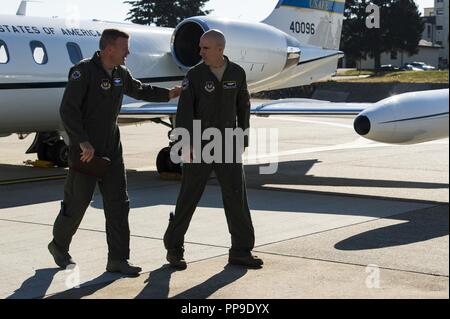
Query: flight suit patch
209	86
185	84
106	85
117	82
75	76
229	85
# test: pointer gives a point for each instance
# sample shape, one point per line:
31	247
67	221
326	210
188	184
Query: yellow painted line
31	180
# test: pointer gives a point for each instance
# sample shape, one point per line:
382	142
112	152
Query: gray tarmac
341	217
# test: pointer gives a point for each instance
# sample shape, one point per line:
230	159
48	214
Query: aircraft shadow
289	173
296	173
29	193
421	225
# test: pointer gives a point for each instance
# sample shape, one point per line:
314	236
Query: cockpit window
4	55
39	52
74	50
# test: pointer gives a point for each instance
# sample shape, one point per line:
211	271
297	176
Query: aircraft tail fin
22	10
312	22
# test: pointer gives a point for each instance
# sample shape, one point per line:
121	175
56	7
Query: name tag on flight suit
229	85
117	82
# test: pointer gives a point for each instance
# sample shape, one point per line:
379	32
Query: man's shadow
159	283
228	275
36	286
88	288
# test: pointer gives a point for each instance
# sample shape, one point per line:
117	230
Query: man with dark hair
109	36
89	111
215	93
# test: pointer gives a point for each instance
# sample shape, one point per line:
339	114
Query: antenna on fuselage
22	11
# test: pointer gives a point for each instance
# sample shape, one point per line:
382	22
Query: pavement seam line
32	180
353	264
102	231
346	195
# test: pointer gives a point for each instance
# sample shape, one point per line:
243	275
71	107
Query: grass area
354	72
404	77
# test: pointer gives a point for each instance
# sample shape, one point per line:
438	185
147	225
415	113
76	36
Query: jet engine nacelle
407	118
262	50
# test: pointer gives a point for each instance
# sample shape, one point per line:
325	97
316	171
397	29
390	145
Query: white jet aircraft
296	45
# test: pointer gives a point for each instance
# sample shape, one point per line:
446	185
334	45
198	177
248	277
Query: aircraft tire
164	163
43	152
60	153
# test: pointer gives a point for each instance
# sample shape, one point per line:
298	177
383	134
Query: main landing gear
164	164
50	147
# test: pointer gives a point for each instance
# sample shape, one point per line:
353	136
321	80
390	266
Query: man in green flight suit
89	110
215	93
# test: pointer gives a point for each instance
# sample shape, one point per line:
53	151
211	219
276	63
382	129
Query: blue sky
252	10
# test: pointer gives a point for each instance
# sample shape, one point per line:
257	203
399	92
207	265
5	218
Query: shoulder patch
185	84
76	75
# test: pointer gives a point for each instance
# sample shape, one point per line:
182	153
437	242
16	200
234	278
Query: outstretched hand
175	92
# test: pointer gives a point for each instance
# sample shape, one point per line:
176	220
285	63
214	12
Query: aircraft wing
306	107
147	111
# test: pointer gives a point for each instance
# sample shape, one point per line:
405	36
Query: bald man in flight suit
214	92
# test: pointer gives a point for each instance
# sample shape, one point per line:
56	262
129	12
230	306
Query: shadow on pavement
88	288
37	285
228	275
421	225
159	283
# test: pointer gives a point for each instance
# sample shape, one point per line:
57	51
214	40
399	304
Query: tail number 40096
302	27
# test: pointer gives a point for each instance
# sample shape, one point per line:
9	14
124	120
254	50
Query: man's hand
175	92
87	152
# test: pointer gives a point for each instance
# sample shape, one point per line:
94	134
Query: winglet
22	11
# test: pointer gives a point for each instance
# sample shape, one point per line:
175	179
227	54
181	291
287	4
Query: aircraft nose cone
362	125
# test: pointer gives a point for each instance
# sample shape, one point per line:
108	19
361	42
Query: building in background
441	13
433	48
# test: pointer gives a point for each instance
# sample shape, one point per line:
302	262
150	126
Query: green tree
353	30
406	27
164	13
400	29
